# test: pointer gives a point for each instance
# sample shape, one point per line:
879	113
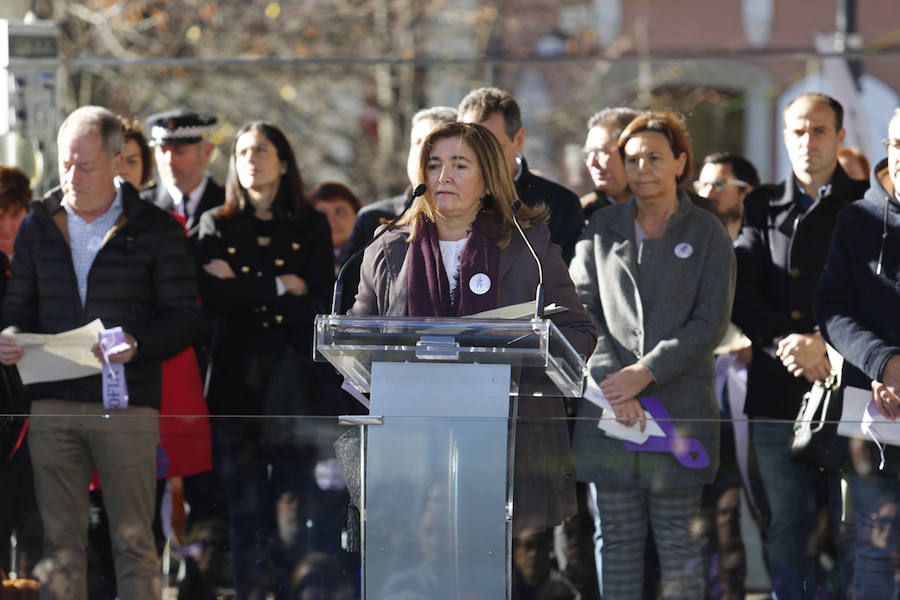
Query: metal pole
846	38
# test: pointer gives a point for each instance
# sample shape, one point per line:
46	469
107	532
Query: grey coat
667	312
544	473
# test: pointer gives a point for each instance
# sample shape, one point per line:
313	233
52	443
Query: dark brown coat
544	477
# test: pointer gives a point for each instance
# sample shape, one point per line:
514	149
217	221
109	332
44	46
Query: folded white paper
523	310
617	430
58	356
858	411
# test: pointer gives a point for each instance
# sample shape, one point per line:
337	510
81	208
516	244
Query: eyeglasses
718	185
609	150
891	144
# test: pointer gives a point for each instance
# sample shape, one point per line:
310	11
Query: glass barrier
398	507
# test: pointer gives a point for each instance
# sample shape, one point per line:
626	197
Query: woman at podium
656	274
456	252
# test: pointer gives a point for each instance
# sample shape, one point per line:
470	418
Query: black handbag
814	442
14	410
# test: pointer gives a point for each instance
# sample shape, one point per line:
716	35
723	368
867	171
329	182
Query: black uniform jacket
213	196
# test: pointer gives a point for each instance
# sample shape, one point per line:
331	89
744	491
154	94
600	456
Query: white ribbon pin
480	283
684	250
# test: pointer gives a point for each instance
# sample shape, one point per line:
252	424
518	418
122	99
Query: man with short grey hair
97	251
604	163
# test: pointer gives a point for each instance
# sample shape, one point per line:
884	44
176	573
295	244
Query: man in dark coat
496	110
182	150
99	252
856	307
781	251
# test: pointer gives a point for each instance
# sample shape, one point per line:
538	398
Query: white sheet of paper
856	400
57	356
523	310
617	430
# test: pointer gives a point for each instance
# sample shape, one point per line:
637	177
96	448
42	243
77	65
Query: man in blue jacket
856	307
98	251
781	251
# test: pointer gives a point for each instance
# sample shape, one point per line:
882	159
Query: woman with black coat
267	270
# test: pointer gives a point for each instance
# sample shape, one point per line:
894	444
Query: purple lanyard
688	451
115	390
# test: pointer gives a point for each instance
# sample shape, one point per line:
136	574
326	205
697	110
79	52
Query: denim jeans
790	489
876	506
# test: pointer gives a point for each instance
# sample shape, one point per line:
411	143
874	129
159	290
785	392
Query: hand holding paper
10	351
611	425
53	357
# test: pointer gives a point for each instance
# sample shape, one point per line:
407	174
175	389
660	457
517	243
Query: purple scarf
428	294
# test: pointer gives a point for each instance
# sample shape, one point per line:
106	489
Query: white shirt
450	253
194	197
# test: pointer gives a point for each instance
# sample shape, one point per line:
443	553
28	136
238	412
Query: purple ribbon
162	462
688	451
115	390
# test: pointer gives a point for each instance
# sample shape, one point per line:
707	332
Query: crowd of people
708	307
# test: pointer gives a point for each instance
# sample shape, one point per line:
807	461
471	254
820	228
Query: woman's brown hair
132	130
670	124
501	193
15	193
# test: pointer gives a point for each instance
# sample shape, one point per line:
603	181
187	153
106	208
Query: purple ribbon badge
688	451
115	390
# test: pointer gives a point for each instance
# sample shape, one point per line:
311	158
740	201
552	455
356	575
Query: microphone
339	281
539	292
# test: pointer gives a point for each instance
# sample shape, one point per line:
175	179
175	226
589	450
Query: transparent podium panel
436	485
543	361
272	512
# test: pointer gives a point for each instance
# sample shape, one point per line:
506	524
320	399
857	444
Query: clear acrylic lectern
436	494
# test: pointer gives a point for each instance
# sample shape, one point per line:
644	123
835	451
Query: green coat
666	305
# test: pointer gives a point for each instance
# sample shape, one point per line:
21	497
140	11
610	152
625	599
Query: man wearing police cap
180	138
182	149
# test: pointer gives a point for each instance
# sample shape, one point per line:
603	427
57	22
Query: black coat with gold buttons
253	323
